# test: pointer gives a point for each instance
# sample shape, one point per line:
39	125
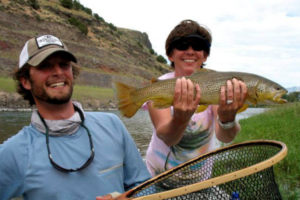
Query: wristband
226	125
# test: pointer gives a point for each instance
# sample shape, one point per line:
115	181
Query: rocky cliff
105	52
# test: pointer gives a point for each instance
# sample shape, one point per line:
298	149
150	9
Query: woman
179	134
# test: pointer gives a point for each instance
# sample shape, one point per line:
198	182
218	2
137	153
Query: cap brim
194	36
37	59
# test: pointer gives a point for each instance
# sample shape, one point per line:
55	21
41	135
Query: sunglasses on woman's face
183	45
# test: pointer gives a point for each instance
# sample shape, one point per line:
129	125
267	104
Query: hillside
106	53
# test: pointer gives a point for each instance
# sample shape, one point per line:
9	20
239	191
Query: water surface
139	126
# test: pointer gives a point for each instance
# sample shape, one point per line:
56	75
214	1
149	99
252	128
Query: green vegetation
97	17
152	52
83	92
292	97
7	85
81	26
77	5
67	3
280	123
140	44
161	59
88	11
112	27
34	4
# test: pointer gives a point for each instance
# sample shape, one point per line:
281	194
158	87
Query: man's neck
55	111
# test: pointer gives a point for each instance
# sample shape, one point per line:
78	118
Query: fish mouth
278	97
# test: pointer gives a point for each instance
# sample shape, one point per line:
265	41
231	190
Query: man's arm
12	163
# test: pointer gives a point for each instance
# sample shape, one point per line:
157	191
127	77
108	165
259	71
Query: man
64	153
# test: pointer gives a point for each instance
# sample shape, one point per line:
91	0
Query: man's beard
41	94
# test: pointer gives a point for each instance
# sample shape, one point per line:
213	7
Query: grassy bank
281	123
7	85
81	92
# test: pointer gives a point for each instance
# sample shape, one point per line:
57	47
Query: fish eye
277	88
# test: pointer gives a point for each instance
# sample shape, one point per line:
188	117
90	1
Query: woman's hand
185	100
232	100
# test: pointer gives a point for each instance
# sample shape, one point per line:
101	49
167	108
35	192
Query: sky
254	36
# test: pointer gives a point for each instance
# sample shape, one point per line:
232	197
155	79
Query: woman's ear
26	83
205	56
171	57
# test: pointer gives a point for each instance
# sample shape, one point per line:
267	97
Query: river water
139	126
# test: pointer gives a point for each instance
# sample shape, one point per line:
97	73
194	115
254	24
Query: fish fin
162	103
124	100
242	109
153	80
201	108
252	99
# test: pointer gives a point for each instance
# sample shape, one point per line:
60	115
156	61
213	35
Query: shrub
161	59
67	3
88	11
77	5
139	44
34	4
38	18
82	27
97	17
112	27
120	33
151	51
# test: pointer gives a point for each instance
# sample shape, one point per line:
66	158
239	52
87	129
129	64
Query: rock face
105	53
12	101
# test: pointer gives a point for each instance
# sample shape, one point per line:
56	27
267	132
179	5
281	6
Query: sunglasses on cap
195	41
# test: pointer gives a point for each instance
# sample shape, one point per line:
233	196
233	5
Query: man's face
52	80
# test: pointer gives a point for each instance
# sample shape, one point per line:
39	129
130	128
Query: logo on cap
48	40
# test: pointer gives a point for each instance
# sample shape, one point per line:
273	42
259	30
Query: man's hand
106	197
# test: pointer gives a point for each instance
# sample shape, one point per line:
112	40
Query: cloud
260	37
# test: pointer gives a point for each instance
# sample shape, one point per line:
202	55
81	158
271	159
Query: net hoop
213	181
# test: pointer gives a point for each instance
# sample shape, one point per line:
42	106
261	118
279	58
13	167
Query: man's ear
26	83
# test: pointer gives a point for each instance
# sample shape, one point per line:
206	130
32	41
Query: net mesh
259	185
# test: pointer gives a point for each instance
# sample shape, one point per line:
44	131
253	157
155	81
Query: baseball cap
39	48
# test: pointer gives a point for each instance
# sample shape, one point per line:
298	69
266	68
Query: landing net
241	171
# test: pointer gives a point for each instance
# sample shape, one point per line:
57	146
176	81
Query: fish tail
125	101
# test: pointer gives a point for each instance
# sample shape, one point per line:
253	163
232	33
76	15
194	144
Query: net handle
214	181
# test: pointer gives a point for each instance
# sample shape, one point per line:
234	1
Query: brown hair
185	28
24	72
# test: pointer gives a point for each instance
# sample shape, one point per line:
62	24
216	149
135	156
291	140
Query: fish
261	91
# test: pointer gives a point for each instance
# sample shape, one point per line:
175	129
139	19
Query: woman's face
186	61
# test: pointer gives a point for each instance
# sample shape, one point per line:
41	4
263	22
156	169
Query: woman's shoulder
167	76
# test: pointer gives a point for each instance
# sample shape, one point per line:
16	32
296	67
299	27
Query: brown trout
261	91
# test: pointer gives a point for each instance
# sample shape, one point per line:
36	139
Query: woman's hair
24	72
185	28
